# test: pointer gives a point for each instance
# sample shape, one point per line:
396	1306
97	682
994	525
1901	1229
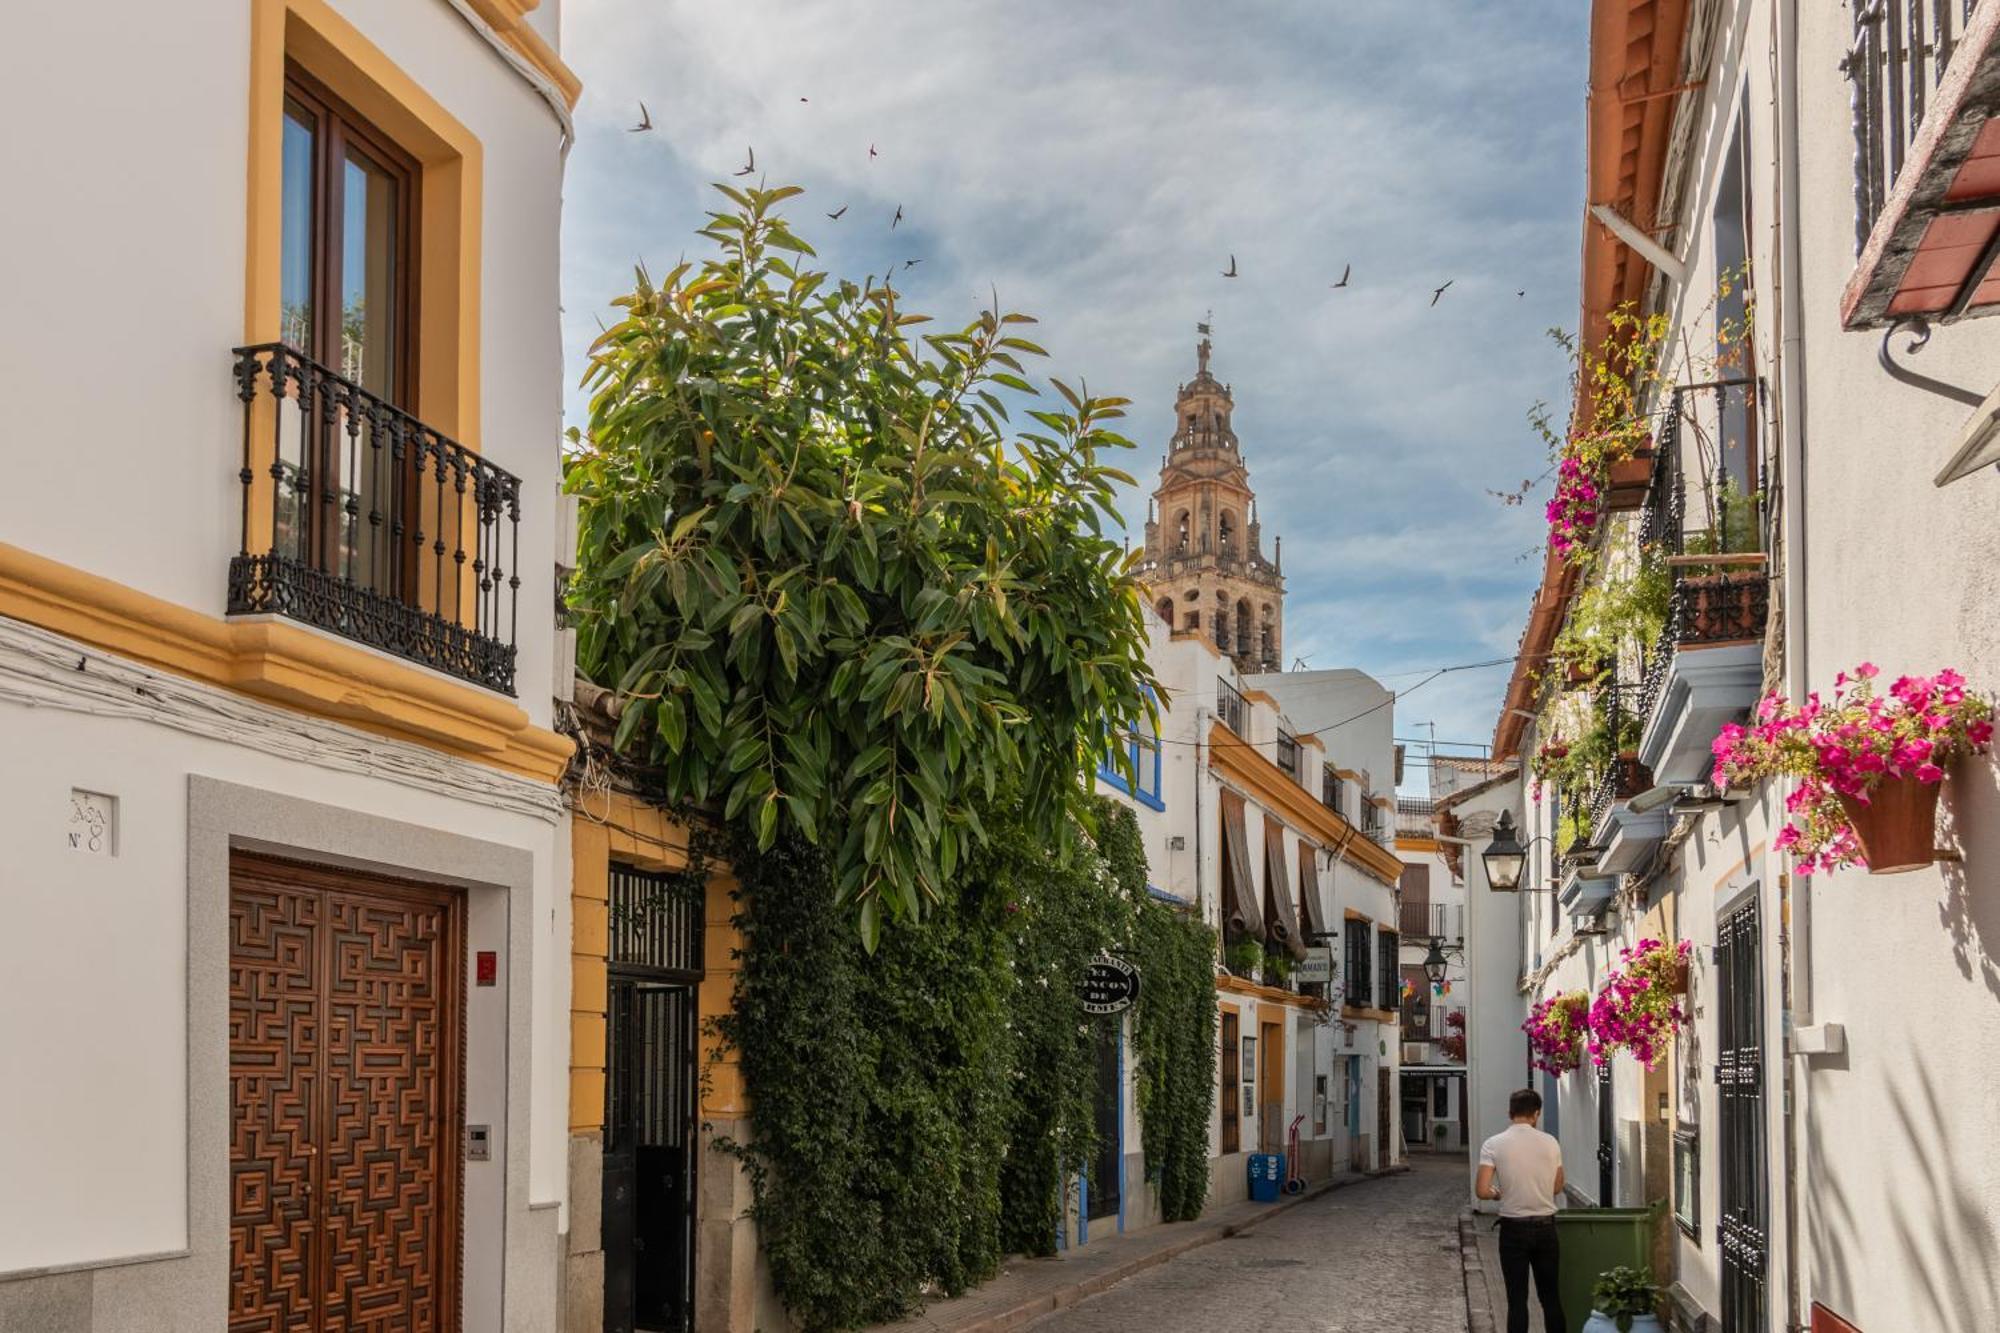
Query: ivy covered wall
914	1114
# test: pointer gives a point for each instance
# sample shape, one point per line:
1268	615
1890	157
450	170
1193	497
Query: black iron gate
1105	1176
1742	1231
650	1075
1606	1130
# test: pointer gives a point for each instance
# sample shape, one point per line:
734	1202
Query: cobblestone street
1377	1257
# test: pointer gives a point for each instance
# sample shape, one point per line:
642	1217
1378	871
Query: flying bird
898	218
1522	292
1345	274
645	121
835	215
751	165
1438	292
871	150
911	263
802	99
1232	267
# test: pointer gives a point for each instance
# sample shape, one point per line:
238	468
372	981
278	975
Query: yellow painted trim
1196	636
1312	740
1404	844
1267	994
1277	792
508	19
1260	697
282	663
450	195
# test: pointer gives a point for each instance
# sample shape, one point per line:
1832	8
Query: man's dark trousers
1528	1244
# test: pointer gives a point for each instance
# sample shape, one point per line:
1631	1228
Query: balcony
1924	80
1232	708
1375	823
361	520
1707	667
1420	921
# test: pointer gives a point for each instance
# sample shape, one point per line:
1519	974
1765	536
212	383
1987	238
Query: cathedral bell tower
1204	566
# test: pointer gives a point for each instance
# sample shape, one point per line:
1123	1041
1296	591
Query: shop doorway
1107	1176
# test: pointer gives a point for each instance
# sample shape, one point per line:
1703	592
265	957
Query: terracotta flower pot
1681	970
1627	480
1897	826
1579	674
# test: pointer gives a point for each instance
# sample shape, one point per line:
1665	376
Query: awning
1278	891
1240	916
1315	914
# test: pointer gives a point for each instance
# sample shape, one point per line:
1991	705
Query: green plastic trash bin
1596	1239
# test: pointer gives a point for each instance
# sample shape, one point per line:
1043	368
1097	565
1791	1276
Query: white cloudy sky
1098	163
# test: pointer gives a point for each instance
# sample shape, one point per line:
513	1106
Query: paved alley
1377	1257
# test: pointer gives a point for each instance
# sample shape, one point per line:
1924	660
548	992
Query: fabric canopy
1278	891
1315	913
1240	916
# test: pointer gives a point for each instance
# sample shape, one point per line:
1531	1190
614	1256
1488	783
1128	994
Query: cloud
1098	165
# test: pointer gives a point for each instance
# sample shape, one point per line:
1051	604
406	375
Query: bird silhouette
911	263
1345	274
871	150
1232	267
751	165
835	215
645	121
1522	292
898	218
802	99
1440	291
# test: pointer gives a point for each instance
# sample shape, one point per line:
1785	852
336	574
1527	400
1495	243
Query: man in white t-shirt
1522	1168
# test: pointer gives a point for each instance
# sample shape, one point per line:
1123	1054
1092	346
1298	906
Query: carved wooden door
346	1081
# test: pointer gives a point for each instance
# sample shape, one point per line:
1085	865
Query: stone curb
1047	1302
1478	1295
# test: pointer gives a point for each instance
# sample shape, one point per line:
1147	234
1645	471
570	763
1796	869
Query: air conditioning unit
1413	1053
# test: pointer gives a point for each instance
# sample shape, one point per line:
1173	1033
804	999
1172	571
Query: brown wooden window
348	278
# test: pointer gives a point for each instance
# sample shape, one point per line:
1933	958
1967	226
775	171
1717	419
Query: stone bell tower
1204	564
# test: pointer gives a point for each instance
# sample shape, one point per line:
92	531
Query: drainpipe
1200	779
1792	960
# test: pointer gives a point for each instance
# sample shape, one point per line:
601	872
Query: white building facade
283	935
1786	185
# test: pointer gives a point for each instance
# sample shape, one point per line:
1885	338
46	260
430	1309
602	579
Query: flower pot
1626	481
1681	971
1897	826
1599	1322
1579	674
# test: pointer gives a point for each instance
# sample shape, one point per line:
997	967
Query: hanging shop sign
1109	986
1315	967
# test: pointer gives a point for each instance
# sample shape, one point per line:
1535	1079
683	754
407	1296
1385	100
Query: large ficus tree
840	596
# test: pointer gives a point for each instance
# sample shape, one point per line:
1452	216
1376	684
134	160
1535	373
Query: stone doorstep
977	1314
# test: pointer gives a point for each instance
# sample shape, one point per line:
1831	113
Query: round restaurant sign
1109	986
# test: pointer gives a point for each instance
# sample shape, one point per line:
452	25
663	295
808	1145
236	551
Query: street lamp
1435	963
1505	858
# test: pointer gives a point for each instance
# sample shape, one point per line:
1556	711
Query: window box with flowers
1868	767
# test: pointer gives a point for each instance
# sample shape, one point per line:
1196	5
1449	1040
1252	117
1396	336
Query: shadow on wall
1971	808
1938	1226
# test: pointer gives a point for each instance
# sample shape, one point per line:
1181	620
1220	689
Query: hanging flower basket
1682	977
1868	767
1895	824
1638	1008
1556	1028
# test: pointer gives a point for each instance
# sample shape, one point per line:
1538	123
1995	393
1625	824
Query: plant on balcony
1639	1006
1244	957
1556	1029
1868	767
1278	967
841	597
1453	1041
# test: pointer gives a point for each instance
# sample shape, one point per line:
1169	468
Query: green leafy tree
842	597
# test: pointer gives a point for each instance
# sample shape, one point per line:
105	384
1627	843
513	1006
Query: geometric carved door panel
346	1081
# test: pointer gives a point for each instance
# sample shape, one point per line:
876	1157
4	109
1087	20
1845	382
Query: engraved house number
92	823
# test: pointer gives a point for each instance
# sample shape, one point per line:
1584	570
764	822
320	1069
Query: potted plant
1556	1028
1277	967
1638	1007
1625	1299
1869	767
1453	1042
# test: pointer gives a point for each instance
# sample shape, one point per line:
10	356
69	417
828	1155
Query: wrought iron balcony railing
360	519
1233	708
1420	920
1901	51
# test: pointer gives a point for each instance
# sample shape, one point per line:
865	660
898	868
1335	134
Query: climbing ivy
916	1114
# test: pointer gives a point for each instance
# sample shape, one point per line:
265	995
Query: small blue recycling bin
1267	1176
